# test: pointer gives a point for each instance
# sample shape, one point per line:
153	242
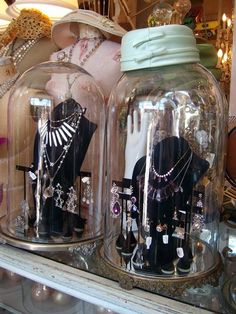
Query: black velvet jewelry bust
56	220
173	173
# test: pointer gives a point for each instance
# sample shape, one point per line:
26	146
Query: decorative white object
4	18
54	9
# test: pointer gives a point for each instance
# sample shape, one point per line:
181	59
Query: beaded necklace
169	172
163	193
56	135
17	56
19	53
62	56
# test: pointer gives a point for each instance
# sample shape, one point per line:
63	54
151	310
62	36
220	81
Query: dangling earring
58	199
115	205
198	218
87	191
71	202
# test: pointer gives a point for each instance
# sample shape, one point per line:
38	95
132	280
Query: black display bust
56	220
173	172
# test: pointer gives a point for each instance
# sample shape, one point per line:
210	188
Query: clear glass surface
56	134
166	134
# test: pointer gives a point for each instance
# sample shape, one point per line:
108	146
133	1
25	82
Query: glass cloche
56	133
166	133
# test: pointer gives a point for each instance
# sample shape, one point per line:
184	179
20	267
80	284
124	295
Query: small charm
180	252
133	209
58	199
148	242
199	202
165	239
61	56
48	192
87	191
71	201
198	222
115	205
159	228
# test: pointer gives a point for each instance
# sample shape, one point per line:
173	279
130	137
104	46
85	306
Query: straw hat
65	32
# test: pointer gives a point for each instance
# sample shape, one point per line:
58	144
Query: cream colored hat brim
63	33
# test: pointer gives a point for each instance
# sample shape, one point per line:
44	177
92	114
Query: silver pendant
48	192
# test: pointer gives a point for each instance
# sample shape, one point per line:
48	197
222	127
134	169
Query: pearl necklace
17	57
4	87
98	42
169	172
18	54
62	56
172	187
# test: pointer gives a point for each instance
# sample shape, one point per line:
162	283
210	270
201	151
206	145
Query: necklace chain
159	194
17	56
48	163
19	53
63	56
169	172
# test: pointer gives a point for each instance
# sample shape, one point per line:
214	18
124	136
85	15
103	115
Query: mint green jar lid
158	46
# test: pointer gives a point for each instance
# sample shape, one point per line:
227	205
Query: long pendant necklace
84	56
50	174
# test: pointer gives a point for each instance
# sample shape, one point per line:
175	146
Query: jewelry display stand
165	161
58	171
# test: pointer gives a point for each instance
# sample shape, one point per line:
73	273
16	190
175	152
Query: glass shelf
76	272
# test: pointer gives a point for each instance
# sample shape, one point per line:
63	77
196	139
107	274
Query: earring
87	191
71	202
115	205
148	242
198	218
199	202
198	222
133	208
58	199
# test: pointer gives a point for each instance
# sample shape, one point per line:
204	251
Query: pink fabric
1	192
3	140
103	64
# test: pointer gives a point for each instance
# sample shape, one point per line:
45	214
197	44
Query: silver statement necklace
58	133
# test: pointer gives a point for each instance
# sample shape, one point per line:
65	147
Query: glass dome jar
166	133
56	133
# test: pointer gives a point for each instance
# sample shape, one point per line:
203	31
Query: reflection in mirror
231	157
229	204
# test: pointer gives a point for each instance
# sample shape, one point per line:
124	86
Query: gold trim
226	294
44	247
165	286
